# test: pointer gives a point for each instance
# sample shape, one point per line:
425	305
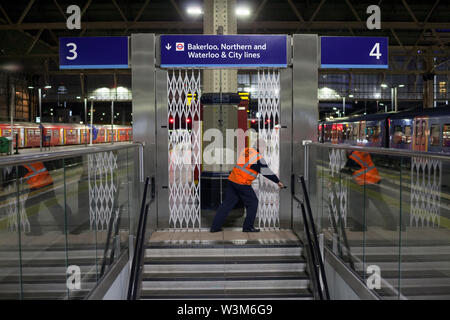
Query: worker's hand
281	185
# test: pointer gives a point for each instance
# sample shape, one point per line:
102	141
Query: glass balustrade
64	222
389	224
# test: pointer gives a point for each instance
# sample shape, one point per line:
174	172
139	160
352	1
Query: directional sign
93	53
224	51
354	52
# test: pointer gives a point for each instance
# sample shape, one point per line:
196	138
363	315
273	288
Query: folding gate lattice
183	93
426	177
269	113
102	189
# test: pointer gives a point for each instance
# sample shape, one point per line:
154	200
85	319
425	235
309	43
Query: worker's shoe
252	229
215	230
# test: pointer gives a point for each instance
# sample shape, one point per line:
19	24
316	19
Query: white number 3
73	51
375	52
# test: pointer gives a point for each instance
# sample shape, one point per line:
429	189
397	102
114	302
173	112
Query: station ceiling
29	29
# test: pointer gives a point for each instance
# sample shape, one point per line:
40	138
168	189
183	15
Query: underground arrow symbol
168	46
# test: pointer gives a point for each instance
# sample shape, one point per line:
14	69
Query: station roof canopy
29	29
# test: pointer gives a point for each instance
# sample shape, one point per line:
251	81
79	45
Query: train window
446	135
435	135
407	136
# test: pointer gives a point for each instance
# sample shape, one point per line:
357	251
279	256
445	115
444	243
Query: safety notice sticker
222	51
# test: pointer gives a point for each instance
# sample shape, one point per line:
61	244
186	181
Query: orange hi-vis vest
37	176
368	174
241	173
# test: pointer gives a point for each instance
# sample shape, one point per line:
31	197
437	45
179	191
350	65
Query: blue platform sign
223	51
93	53
354	52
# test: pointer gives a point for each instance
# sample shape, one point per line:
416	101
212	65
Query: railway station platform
385	241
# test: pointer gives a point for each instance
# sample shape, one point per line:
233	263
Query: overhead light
242	11
384	85
48	87
30	87
194	11
350	96
401	85
78	97
381	104
334	108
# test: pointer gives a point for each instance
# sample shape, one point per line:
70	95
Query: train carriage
426	130
59	134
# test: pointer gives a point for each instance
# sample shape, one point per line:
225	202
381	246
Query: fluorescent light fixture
401	85
48	87
194	11
78	97
381	104
30	87
384	85
350	96
242	11
334	108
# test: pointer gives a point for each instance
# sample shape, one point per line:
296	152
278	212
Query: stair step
223	260
225	284
155	276
223	252
43	291
229	268
260	294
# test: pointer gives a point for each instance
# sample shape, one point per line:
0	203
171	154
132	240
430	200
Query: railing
60	233
315	255
391	228
139	248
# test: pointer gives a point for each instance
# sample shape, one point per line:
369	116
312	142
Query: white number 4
73	50
375	52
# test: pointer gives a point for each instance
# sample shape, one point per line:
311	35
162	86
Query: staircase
424	271
225	272
44	273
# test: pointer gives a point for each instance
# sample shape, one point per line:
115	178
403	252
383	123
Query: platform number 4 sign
375	52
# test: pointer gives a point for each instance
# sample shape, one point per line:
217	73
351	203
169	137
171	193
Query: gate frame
298	112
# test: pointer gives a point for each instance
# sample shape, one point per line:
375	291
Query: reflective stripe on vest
368	174
37	177
242	174
35	173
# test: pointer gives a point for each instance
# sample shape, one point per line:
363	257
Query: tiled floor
231	236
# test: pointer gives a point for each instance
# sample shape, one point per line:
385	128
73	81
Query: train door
22	138
420	139
61	137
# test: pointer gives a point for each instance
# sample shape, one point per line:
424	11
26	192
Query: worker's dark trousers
233	194
47	197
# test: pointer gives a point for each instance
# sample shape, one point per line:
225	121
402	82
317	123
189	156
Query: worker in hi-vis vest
40	183
249	165
364	173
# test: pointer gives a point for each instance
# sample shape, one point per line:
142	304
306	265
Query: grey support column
144	106
162	155
286	141
305	104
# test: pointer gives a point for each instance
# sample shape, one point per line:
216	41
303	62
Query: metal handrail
385	151
139	247
313	241
56	155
